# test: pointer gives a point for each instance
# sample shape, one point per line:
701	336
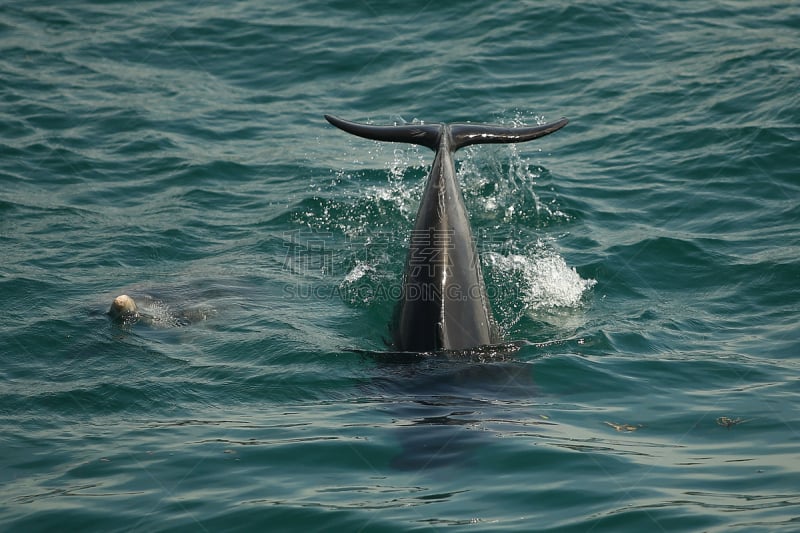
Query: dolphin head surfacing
123	309
444	305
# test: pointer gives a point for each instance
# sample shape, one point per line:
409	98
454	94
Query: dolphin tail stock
469	134
425	135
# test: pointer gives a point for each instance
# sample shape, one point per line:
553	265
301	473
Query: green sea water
648	254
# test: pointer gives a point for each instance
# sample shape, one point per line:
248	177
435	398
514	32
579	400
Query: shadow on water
444	406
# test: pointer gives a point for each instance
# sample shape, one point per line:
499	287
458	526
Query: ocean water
648	255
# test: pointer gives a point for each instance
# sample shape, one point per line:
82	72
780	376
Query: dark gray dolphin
443	304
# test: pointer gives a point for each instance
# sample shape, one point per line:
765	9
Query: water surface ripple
648	254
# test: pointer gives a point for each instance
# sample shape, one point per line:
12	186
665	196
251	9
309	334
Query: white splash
546	281
358	272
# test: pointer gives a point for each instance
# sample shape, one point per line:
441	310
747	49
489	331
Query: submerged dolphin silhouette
443	304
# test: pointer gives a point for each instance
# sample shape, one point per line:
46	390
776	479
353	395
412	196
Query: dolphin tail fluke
425	135
468	134
462	134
